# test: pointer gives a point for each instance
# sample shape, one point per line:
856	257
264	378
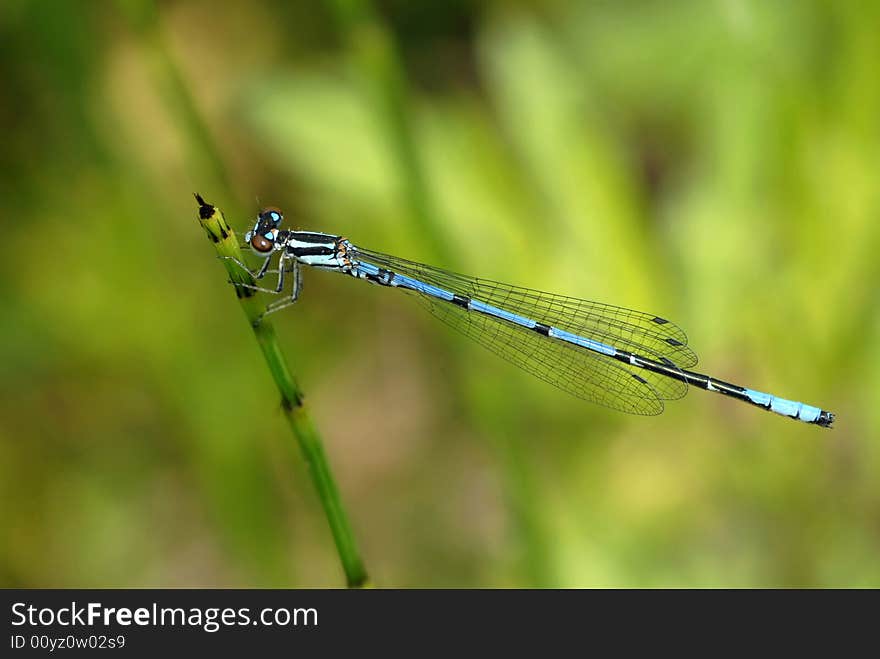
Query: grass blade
292	398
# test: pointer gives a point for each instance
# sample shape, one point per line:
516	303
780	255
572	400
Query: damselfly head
265	232
271	217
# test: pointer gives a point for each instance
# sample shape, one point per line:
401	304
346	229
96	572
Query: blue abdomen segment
488	309
420	286
389	278
589	344
789	408
456	295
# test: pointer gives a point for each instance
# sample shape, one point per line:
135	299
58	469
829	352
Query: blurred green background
713	162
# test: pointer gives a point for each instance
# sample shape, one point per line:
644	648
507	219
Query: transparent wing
576	371
581	372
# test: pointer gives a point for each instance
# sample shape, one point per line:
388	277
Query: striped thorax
319	250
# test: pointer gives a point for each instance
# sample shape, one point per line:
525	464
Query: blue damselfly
626	360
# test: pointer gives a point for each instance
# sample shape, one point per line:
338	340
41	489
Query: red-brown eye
261	244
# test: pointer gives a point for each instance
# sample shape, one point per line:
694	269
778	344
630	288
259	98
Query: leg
260	289
262	273
256	275
281	263
294	292
264	268
297	282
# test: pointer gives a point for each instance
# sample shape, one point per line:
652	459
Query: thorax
321	250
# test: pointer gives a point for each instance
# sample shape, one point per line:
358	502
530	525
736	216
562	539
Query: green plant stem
292	398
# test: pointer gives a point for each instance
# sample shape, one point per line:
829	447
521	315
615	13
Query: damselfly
622	359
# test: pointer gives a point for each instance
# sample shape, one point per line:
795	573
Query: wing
581	372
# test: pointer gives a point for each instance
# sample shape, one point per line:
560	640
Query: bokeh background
713	162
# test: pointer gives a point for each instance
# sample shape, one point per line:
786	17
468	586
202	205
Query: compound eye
273	215
261	244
